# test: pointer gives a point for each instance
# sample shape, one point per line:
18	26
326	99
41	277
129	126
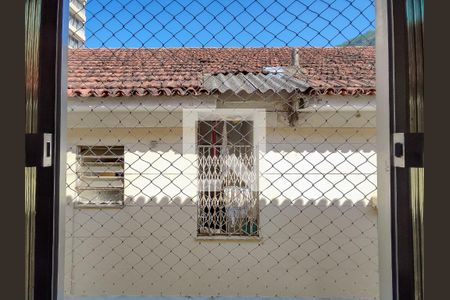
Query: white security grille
228	205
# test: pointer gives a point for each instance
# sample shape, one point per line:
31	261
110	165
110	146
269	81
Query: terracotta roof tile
141	72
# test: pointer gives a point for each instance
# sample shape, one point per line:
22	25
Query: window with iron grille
100	176
228	201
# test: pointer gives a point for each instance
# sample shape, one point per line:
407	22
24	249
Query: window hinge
408	150
38	150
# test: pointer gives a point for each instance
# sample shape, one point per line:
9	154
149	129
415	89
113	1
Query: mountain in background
364	39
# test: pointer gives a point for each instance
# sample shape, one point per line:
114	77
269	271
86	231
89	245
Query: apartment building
77	21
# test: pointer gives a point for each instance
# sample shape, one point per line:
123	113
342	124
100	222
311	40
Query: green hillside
365	39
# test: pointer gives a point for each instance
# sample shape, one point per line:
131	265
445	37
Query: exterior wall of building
318	229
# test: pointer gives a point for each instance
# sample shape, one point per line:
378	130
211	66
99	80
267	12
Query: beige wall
127	251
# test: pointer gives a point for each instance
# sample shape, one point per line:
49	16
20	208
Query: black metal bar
402	84
47	185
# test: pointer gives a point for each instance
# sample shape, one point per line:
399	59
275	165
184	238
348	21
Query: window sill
218	238
97	206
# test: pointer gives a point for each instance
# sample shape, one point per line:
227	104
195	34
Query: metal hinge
38	150
408	150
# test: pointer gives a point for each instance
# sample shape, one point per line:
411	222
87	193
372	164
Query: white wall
325	112
315	185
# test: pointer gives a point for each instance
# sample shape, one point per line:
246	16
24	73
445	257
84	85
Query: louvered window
100	176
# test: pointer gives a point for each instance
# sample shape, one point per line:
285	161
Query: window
228	200
100	176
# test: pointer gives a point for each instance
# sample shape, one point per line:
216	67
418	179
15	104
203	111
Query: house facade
222	172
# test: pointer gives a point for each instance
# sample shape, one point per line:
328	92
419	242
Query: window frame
108	178
252	234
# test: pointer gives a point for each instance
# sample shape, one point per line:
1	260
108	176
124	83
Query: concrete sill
97	206
237	239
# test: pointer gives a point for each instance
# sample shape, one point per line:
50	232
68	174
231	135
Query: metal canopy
251	83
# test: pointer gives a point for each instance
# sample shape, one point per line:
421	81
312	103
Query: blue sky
225	23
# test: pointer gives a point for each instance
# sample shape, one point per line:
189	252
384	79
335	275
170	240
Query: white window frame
191	117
